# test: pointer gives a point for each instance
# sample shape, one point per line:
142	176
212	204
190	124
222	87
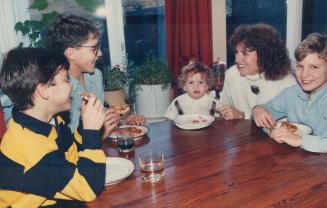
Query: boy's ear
70	53
42	91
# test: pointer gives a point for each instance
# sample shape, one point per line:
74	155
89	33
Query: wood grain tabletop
229	164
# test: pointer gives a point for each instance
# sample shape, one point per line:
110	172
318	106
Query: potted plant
151	85
115	82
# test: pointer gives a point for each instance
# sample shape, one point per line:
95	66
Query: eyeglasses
95	48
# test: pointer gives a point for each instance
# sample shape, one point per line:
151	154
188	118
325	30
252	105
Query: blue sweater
293	103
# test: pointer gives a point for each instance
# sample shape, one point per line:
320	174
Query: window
144	29
314	17
254	11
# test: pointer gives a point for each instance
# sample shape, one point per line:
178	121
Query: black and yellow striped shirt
45	165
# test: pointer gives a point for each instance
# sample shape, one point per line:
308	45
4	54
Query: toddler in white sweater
196	79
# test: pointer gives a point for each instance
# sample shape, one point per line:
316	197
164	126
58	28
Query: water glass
152	166
125	141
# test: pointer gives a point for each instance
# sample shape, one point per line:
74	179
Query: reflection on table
228	164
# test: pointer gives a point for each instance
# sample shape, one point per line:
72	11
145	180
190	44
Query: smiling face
59	92
84	57
196	85
246	60
311	73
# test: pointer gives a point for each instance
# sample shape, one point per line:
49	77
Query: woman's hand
230	113
135	119
283	135
92	113
263	118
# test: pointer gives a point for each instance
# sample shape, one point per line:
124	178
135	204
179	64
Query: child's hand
135	119
92	113
283	135
230	113
263	118
110	123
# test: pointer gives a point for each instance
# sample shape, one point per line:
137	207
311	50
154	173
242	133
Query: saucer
117	169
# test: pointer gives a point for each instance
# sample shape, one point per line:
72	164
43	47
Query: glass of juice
152	166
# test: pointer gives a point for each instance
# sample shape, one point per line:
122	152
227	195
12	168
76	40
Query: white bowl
188	121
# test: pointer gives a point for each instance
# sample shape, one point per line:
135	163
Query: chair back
2	122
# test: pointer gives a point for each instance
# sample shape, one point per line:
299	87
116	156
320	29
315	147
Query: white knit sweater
237	90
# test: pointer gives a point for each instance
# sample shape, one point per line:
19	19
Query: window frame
116	36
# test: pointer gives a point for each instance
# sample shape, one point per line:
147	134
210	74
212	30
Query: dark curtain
189	32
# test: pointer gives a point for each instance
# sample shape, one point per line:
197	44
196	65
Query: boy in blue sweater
303	103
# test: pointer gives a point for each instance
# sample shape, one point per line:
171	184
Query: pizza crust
121	109
129	131
289	126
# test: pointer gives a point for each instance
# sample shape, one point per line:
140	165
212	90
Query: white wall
294	27
219	30
10	13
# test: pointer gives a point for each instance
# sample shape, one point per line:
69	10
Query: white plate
302	129
117	169
193	121
144	129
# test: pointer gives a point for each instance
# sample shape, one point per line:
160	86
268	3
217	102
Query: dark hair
24	68
313	43
193	68
70	30
272	54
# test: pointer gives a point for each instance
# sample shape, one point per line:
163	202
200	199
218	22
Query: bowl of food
193	121
135	131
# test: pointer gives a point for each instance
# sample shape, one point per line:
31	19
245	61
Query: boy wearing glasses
79	39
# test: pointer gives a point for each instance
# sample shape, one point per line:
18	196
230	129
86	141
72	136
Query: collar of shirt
314	97
31	123
78	85
75	82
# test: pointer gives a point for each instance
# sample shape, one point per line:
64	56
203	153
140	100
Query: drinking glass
152	166
125	141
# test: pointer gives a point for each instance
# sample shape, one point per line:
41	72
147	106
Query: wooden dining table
227	164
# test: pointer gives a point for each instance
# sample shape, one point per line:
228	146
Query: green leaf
34	36
114	79
153	71
90	5
39	5
19	26
49	17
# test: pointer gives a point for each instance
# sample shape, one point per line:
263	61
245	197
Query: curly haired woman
261	72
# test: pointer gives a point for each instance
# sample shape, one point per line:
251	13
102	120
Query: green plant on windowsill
115	78
152	72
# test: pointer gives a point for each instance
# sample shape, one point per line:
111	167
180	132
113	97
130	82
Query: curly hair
313	43
70	30
273	58
194	68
